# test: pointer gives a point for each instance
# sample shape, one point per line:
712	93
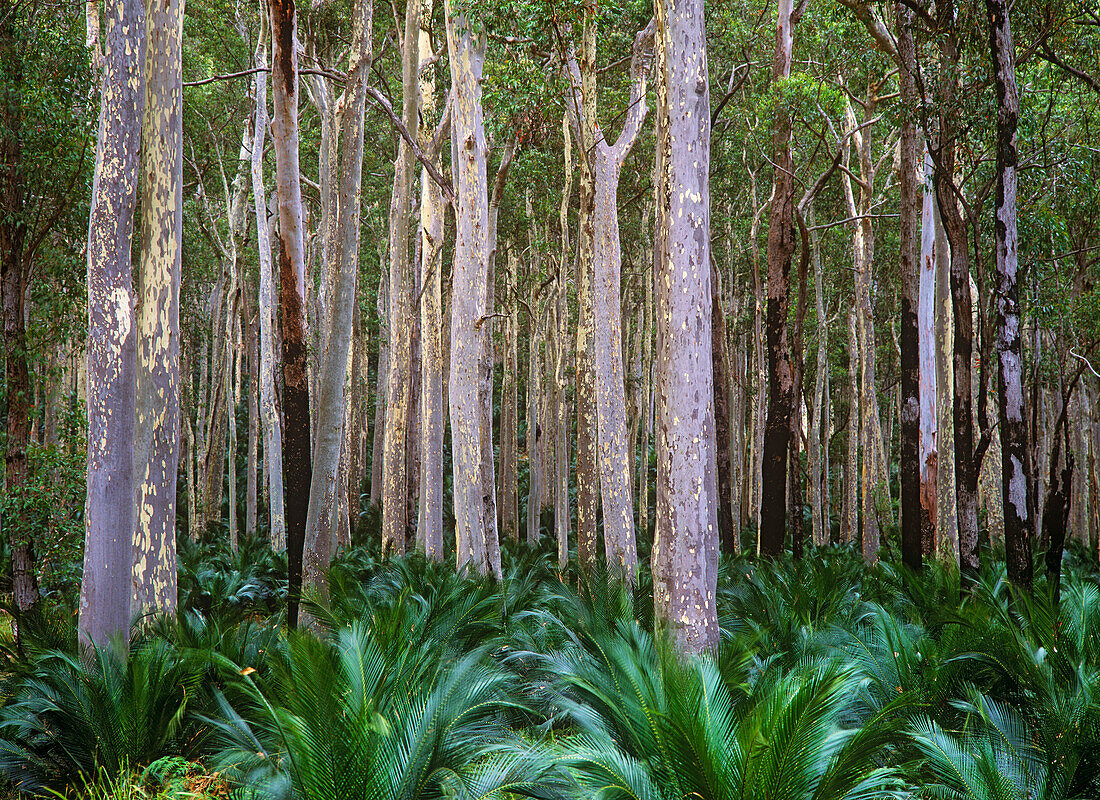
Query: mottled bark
947	547
966	478
1013	428
323	517
685	550
781	244
430	519
156	432
605	161
928	445
849	523
466	48
817	450
108	515
252	343
587	470
586	551
909	208
269	410
534	442
508	499
394	463
382	370
485	369
297	462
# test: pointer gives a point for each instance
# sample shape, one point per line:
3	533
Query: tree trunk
252	483
381	373
508	501
430	521
297	462
394	465
605	162
108	519
727	531
269	409
485	370
467	58
966	478
324	492
777	432
586	551
685	550
912	517
1014	445
819	434
928	455
849	528
534	441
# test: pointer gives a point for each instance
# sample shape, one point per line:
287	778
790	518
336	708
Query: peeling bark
1013	428
781	245
269	410
157	393
913	520
297	462
321	535
466	48
395	523
430	521
966	477
108	517
685	550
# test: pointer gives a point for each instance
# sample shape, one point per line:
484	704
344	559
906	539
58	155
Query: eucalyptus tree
269	411
781	246
685	549
1014	446
944	150
297	460
157	422
429	528
605	161
324	493
395	466
466	51
108	517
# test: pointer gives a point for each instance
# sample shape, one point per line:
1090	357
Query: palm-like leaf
69	719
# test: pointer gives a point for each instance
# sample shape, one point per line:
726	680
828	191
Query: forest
486	399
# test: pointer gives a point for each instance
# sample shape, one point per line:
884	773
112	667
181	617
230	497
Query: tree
109	525
157	422
1014	445
781	244
324	493
297	461
910	263
685	549
269	411
466	48
605	161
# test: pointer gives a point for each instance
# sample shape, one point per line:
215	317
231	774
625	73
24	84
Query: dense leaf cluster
833	680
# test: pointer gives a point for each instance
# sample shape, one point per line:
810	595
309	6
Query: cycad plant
997	755
68	720
640	722
342	719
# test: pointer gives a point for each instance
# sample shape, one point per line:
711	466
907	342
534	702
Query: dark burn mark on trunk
297	464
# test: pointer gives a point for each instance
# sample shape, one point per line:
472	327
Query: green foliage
68	719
